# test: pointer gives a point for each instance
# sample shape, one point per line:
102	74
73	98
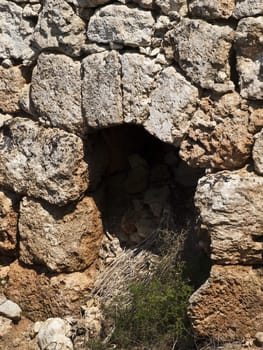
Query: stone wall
190	73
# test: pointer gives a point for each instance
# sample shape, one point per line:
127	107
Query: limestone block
138	77
58	27
121	24
249	47
229	305
211	9
41	162
247	8
167	6
202	51
172	104
41	296
230	205
11	84
56	92
62	239
258	153
101	89
15	32
8	224
218	136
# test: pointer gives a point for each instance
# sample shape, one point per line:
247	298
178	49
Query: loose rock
167	6
211	9
247	8
258	153
10	310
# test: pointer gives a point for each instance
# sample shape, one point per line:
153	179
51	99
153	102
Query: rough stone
5	326
101	89
59	28
8	224
63	239
167	6
229	305
53	333
172	104
41	296
230	205
121	24
45	163
218	136
259	338
249	47
247	8
56	92
4	118
11	84
10	310
202	51
211	9
138	78
258	153
15	33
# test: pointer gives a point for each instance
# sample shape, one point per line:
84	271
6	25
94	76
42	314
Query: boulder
228	306
249	48
56	92
258	153
41	162
172	103
62	239
202	51
121	24
230	205
218	136
59	28
101	89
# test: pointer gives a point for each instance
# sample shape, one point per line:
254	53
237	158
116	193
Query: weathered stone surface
172	104
211	9
41	296
138	77
167	6
41	162
53	332
8	224
101	89
249	47
218	136
63	239
246	8
258	153
5	327
60	28
4	118
56	92
230	205
121	24
229	305
202	51
15	32
11	84
10	310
